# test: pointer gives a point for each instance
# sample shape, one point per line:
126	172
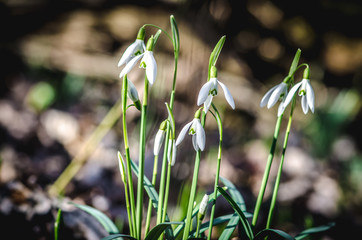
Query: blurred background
59	79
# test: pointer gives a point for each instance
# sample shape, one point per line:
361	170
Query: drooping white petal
128	54
291	93
266	97
228	96
174	150
160	136
304	104
130	65
279	90
183	132
281	109
200	135
151	67
207	103
204	93
194	142
310	96
171	154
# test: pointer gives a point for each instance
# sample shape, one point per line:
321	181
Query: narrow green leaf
175	35
156	37
217	221
230	227
159	229
234	205
235	194
108	225
118	235
273	234
57	223
314	230
215	53
295	62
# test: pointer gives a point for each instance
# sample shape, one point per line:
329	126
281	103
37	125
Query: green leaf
215	53
230	227
217	221
108	225
159	229
175	35
314	230
118	235
295	62
235	194
179	228
273	234
153	195
234	205
57	223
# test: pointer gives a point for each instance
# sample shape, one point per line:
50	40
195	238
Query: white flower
136	48
198	134
171	154
160	136
203	204
148	62
132	91
278	92
209	90
305	90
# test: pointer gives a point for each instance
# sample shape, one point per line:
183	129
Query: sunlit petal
160	136
228	96
266	97
207	103
275	96
151	67
304	104
130	65
200	135
194	142
204	93
291	93
183	132
310	96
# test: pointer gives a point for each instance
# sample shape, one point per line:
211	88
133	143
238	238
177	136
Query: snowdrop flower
136	48
132	93
210	89
195	129
203	205
305	90
278	92
160	136
148	62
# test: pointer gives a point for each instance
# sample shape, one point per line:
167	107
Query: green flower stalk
132	223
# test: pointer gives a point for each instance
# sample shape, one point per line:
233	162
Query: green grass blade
230	227
118	235
175	34
57	223
217	221
314	230
159	229
108	225
215	53
273	234
234	205
295	62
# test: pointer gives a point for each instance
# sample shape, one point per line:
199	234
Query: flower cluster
280	92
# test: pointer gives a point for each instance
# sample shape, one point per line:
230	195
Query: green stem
193	188
218	119
141	161
167	190
154	178
132	223
277	181
266	172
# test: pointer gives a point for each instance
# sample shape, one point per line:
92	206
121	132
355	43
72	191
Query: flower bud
203	206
